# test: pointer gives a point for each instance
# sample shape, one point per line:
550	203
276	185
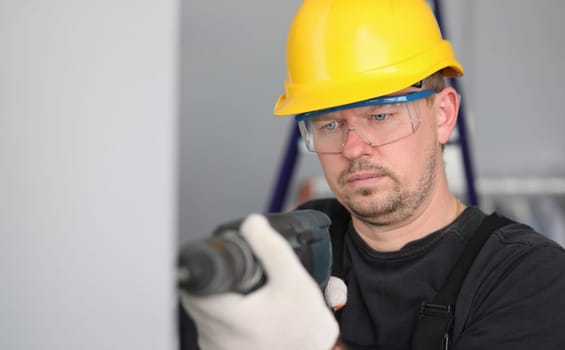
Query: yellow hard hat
345	51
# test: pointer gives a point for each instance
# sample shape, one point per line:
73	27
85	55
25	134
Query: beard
379	208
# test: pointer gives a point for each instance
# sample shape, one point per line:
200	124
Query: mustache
358	165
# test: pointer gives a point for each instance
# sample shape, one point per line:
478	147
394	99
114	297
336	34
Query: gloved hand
288	312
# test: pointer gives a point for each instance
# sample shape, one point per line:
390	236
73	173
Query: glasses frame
405	98
411	96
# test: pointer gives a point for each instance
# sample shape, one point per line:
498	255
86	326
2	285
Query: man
366	85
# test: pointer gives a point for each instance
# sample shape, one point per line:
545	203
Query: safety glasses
380	121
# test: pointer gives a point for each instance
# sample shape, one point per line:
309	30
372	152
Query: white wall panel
87	174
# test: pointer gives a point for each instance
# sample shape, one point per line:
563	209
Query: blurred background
128	128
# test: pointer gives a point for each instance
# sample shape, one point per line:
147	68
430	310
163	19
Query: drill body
225	262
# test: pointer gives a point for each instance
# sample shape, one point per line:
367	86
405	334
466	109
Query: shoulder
518	248
523	235
515	288
516	251
512	240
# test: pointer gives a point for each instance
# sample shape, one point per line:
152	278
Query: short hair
436	82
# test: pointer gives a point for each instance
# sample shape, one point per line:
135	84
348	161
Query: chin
369	203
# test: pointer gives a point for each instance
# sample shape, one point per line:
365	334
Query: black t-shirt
513	296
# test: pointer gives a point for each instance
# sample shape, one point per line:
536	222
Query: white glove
288	312
335	293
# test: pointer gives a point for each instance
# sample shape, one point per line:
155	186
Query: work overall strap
435	318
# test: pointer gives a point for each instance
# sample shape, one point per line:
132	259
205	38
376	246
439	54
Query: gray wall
233	68
513	53
87	180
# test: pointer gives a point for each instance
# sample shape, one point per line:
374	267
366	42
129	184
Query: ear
447	107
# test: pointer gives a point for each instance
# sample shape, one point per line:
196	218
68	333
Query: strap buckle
435	310
439	312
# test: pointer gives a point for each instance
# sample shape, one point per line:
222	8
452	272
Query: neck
439	212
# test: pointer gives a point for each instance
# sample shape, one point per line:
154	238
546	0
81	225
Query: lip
364	179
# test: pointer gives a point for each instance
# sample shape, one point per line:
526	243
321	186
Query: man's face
385	184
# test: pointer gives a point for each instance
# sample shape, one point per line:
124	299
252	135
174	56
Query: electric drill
226	263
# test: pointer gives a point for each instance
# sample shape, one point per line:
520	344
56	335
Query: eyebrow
368	109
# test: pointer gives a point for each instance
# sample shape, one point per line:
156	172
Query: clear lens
377	125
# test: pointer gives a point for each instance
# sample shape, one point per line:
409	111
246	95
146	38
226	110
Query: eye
380	117
331	126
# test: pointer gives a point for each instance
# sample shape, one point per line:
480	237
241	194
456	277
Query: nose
354	145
